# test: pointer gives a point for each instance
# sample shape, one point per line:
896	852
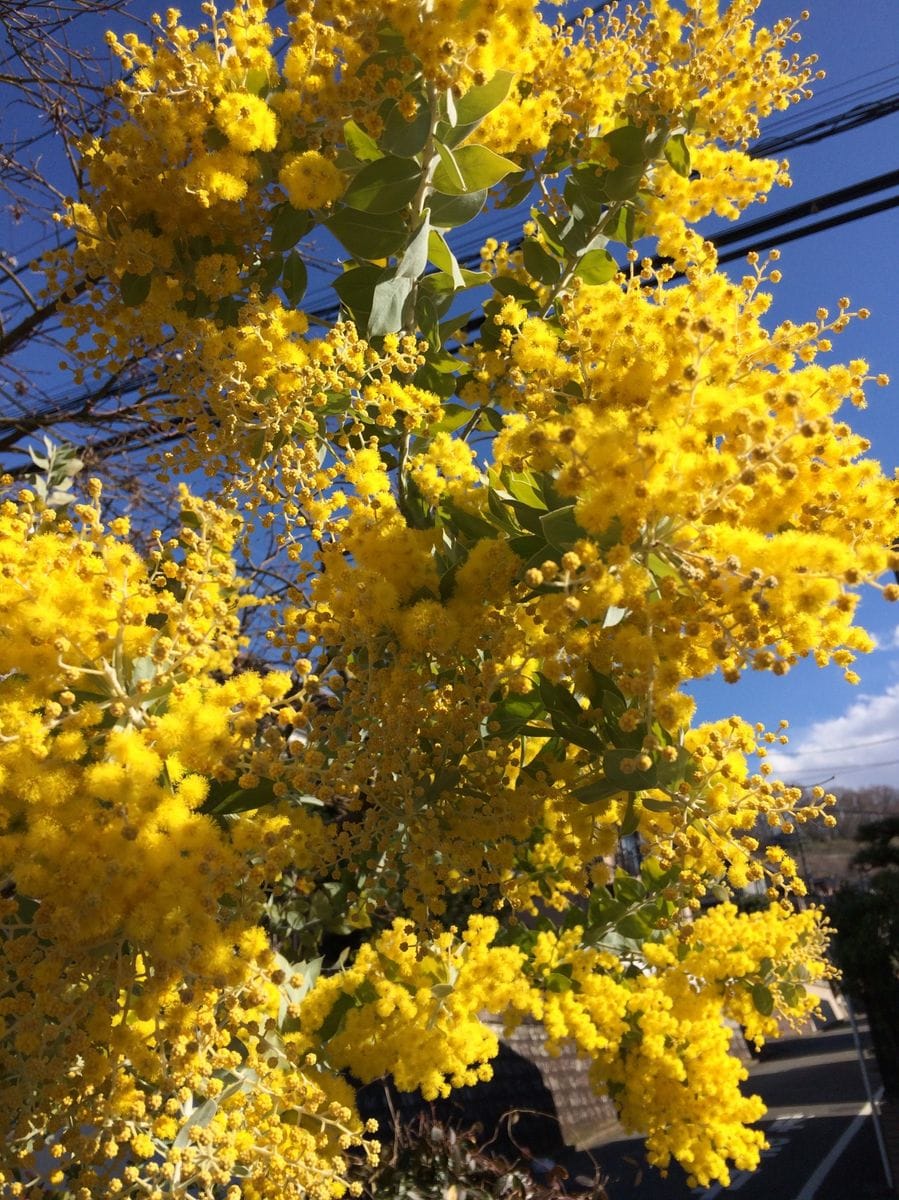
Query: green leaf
444	781
681	767
449	212
447	107
365	993
633	926
407	138
199	1118
598	789
256	80
289	224
384	186
505	519
228	310
443	258
432	380
414	258
135	288
632	781
516	192
677	154
558	699
514	712
540	264
630	822
596	267
551	230
623	182
525	487
449	171
390	295
792	994
614	616
454	417
388	305
531	548
621	227
491	420
268	273
363	145
556	981
356	290
474	278
661	568
224	798
479	101
763	999
333	1022
577	734
653	804
601	684
294	278
452	325
368	235
627	144
469	169
469	525
427	319
585	191
561	529
506	286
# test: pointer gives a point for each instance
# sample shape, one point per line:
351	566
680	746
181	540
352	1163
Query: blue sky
838	731
845	734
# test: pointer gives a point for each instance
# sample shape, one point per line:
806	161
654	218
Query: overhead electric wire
777	144
836	769
837	749
840	95
863	114
804	231
740	238
774	225
808	208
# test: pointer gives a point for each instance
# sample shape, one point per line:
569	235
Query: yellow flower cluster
178	224
707	825
310	180
657	1039
131	953
487	644
706	451
398	982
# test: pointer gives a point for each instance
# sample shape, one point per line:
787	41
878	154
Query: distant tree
866	944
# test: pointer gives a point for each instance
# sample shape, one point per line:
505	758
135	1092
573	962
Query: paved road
822	1142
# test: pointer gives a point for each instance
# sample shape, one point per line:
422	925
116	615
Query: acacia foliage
513	543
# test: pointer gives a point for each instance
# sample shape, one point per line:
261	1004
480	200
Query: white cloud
858	749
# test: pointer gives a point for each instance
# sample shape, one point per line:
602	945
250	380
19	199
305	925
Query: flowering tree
513	542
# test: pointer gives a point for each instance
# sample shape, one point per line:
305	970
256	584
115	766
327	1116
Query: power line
818	131
773	225
840	749
808	208
850	768
856	214
777	144
871	94
839	86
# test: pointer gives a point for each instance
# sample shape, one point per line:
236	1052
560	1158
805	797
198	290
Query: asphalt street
821	1134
